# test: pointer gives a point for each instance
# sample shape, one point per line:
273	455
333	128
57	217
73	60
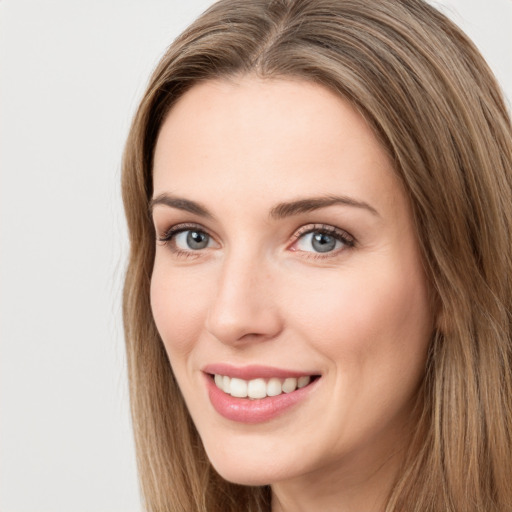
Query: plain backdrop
71	74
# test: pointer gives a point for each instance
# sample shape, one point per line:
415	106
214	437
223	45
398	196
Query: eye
186	239
192	239
322	240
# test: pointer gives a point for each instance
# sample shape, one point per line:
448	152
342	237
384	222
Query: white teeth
274	387
303	381
290	384
226	384
238	388
259	388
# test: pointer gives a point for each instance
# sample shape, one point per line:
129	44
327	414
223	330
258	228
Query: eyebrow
280	211
315	203
180	204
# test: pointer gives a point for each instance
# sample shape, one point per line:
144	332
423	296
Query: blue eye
323	240
191	240
317	241
187	239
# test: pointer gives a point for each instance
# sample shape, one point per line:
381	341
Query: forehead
271	138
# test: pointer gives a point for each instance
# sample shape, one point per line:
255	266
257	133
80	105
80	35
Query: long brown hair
434	104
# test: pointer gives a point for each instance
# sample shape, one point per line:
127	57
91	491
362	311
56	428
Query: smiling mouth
260	388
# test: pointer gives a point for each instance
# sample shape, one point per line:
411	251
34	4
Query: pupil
323	243
197	240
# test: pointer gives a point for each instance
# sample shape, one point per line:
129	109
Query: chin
246	470
243	477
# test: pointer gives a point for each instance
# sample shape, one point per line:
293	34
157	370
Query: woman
318	304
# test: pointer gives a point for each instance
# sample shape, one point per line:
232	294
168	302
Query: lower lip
244	410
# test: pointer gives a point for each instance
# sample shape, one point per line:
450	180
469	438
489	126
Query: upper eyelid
327	228
183	226
166	234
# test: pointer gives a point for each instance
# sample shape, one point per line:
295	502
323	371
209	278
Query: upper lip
253	371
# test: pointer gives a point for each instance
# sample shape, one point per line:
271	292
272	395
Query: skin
358	315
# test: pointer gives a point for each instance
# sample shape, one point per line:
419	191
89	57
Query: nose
245	305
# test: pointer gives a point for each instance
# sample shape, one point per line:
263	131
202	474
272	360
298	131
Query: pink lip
252	371
244	410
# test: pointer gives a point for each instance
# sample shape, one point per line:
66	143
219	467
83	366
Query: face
286	268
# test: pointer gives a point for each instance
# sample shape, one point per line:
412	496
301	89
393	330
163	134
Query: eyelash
168	236
339	234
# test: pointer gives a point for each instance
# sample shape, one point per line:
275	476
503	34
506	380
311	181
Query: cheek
376	314
178	305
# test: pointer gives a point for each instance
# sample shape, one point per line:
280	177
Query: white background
71	73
